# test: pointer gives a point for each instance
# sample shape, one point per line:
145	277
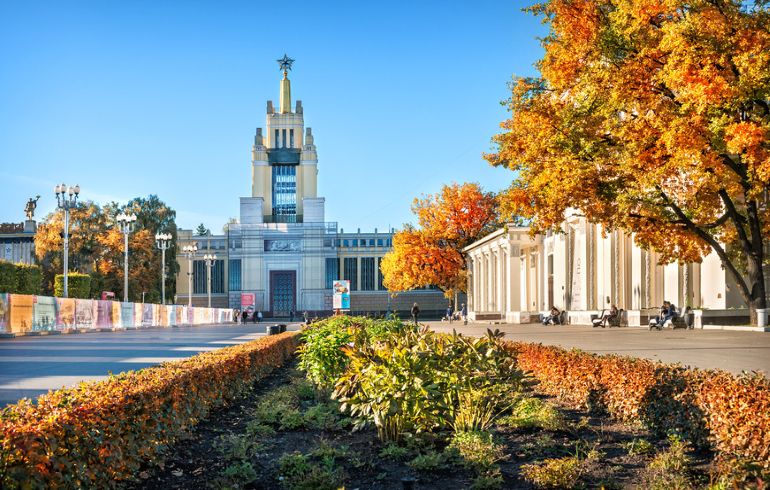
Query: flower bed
96	434
708	408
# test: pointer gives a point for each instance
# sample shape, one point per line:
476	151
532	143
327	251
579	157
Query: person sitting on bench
554	313
612	314
662	313
670	315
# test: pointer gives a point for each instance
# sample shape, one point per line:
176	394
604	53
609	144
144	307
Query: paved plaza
30	366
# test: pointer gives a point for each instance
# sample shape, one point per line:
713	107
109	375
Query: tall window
284	191
367	274
235	275
291	138
332	271
200	277
379	274
284	139
277	138
351	272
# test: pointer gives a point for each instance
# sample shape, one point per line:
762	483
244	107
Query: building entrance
283	286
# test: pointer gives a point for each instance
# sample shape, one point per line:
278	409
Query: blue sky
135	98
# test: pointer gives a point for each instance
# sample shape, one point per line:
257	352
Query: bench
674	323
613	321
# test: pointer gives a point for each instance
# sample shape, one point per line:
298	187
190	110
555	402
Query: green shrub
20	278
428	461
78	285
532	413
29	279
638	446
478	450
393	451
553	473
413	381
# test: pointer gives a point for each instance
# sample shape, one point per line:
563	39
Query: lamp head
57	190
71	191
77	189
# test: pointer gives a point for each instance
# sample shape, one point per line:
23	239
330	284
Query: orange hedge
708	408
97	434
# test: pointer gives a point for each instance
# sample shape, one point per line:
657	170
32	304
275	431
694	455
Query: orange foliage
432	255
650	116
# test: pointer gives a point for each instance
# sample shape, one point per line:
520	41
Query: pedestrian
255	317
291	316
259	317
415	313
464	314
236	316
449	312
304	317
245	316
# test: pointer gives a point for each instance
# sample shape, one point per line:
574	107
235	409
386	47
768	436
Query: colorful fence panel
19	313
65	313
84	312
101	313
28	313
43	314
3	309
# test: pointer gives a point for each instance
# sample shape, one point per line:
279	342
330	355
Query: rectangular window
380	286
367	274
235	275
277	139
332	271
284	139
346	243
199	277
379	242
285	191
351	272
291	138
355	242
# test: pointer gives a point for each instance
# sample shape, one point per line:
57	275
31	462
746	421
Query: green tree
201	230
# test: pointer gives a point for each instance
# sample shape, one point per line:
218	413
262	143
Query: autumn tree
143	263
431	254
650	116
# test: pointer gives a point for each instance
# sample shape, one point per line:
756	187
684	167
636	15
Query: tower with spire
284	164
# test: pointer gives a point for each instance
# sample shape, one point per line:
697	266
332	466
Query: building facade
282	255
517	278
18	242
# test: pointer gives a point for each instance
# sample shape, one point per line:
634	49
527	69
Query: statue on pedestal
30	207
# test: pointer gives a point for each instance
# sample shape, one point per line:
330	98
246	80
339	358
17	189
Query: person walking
415	313
259	317
464	314
449	312
291	316
244	316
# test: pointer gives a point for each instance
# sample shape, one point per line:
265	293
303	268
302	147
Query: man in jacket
415	312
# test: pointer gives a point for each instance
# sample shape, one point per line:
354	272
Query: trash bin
273	330
762	316
281	328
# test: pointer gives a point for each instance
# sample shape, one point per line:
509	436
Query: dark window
284	139
346	243
291	138
332	271
379	274
351	273
277	138
379	242
367	274
355	243
235	275
200	277
550	265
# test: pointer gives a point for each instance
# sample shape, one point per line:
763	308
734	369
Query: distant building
282	252
18	242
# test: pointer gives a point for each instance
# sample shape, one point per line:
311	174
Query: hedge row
78	285
729	414
97	434
20	278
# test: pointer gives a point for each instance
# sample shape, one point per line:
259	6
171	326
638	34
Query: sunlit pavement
731	350
31	366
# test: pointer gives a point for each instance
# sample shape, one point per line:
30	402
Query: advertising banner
147	312
84	311
19	313
248	302
65	314
181	315
3	310
102	313
157	319
43	313
190	315
577	282
115	312
170	314
127	317
138	312
341	298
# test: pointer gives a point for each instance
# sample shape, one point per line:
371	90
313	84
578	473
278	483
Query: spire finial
285	64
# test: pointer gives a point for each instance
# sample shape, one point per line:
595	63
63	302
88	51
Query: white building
517	278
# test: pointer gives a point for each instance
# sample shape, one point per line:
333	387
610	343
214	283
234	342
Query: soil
196	461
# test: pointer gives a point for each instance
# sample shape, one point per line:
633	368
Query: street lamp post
126	224
189	252
162	241
68	200
210	259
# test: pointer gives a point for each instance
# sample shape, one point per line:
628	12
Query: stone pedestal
30	226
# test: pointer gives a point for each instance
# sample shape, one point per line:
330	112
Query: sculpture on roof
30	207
